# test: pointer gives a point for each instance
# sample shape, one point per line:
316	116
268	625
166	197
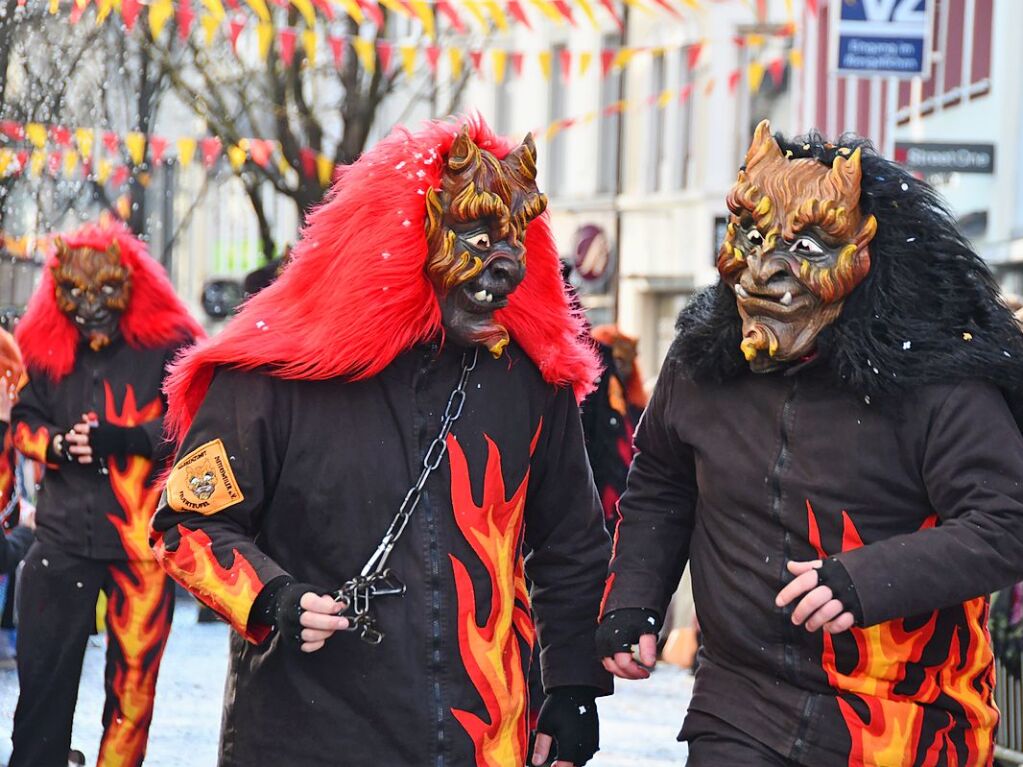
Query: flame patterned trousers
57	613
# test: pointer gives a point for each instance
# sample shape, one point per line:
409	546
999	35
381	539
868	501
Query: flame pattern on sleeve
230	591
493	653
32	444
887	695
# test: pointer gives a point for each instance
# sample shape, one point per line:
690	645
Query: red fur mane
155	316
355	293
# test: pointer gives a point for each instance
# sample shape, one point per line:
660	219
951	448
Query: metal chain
376	579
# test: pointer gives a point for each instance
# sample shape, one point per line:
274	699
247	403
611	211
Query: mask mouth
476	299
774	301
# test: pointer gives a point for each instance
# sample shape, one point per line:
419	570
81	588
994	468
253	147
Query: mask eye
76	292
804	246
108	290
480	241
755	237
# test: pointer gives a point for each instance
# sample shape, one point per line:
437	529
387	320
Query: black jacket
923	505
303	478
99	510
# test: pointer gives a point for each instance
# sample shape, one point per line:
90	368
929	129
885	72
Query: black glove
833	574
107	439
278	606
621	629
569	715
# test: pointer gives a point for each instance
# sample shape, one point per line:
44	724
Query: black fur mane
928	311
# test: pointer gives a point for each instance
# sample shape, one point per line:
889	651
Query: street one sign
881	37
946	158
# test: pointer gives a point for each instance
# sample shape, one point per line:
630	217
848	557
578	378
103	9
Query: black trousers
57	612
715	743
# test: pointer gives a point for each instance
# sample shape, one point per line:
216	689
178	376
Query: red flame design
492	653
136	615
890	736
32	444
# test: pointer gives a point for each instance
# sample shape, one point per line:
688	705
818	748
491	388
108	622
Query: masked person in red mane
833	445
394	421
96	340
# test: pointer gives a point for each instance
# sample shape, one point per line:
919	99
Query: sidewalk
638	724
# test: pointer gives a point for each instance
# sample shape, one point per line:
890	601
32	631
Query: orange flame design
230	591
492	653
6	470
32	444
890	735
137	614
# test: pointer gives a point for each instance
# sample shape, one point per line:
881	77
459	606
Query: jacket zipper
780	464
435	593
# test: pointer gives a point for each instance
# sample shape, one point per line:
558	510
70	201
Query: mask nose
504	272
765	268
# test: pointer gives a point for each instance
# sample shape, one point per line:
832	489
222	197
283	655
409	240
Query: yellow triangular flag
425	15
498	58
395	7
549	11
104	169
352	9
588	10
37	162
309	43
216	9
474	10
589	117
70	163
265	34
260	8
498	15
54	7
36	133
160	13
623	57
408	60
755	76
455	57
136	144
366	52
796	58
84	137
755	39
236	156
666	97
103	9
544	57
324	169
638	6
6	158
306	9
186	151
282	165
209	25
585	59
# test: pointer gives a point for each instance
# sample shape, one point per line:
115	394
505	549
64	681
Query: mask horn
464	152
846	174
763	148
524	155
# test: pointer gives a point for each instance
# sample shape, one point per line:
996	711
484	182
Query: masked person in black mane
833	445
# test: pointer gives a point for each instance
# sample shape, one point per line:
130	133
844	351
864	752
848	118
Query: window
558	108
655	127
609	126
682	124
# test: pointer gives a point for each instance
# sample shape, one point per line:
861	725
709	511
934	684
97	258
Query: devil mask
93	288
476	224
795	248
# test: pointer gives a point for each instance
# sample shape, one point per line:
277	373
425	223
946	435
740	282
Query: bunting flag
755	76
408	61
210	149
324	170
367	56
286	42
497	62
157	147
236	155
186	151
135	143
36	134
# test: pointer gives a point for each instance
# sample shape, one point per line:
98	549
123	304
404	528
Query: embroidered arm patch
203	482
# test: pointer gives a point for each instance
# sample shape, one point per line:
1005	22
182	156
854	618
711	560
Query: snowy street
638	724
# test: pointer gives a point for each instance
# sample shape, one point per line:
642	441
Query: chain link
376	579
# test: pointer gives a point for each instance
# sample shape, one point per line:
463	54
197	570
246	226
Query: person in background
610	414
16	527
96	339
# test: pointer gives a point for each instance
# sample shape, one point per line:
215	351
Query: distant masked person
610	415
16	533
834	447
390	431
96	338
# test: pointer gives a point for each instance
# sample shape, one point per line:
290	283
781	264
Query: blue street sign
881	37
